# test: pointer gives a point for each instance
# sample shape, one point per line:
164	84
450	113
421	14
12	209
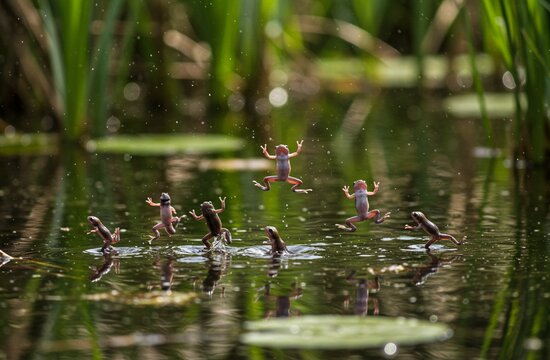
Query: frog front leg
267	180
349	222
297	182
378	218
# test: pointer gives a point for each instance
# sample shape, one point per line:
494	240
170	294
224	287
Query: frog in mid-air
167	219
210	214
362	205
430	228
108	239
282	156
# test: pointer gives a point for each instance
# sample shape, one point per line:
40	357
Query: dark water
493	292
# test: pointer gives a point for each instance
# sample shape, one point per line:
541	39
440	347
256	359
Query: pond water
61	298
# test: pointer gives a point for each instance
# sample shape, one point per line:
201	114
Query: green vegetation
77	59
341	332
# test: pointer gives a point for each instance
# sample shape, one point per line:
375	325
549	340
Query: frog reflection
282	302
421	273
361	301
167	275
108	262
216	269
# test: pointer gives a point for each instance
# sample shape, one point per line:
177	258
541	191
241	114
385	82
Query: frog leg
378	218
206	238
116	236
227	235
267	180
297	182
450	237
349	222
432	240
156	231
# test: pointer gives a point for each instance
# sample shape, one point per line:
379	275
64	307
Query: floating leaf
341	332
29	144
153	298
467	105
164	144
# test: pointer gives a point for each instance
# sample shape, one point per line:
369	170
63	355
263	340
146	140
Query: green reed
517	33
79	65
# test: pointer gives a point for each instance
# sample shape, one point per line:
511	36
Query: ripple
421	248
119	251
301	252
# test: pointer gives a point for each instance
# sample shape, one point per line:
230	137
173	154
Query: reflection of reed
38	215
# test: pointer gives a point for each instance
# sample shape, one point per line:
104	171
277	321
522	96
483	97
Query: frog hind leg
432	240
450	237
226	235
349	222
267	180
377	215
205	240
156	231
297	182
116	236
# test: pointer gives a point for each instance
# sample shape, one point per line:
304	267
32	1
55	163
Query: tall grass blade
55	53
99	73
477	79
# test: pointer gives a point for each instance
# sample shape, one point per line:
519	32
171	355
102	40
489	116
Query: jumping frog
213	222
167	220
278	246
283	168
430	228
104	233
362	205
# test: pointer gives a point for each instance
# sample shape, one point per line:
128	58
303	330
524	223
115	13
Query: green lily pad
28	144
153	298
467	105
164	144
341	332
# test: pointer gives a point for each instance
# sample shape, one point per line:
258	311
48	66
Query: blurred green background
90	69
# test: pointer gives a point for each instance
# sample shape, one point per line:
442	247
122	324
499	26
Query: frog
210	215
278	245
167	219
104	233
362	205
430	228
282	156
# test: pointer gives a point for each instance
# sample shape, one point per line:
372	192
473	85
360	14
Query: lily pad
164	144
342	332
467	105
28	144
153	298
